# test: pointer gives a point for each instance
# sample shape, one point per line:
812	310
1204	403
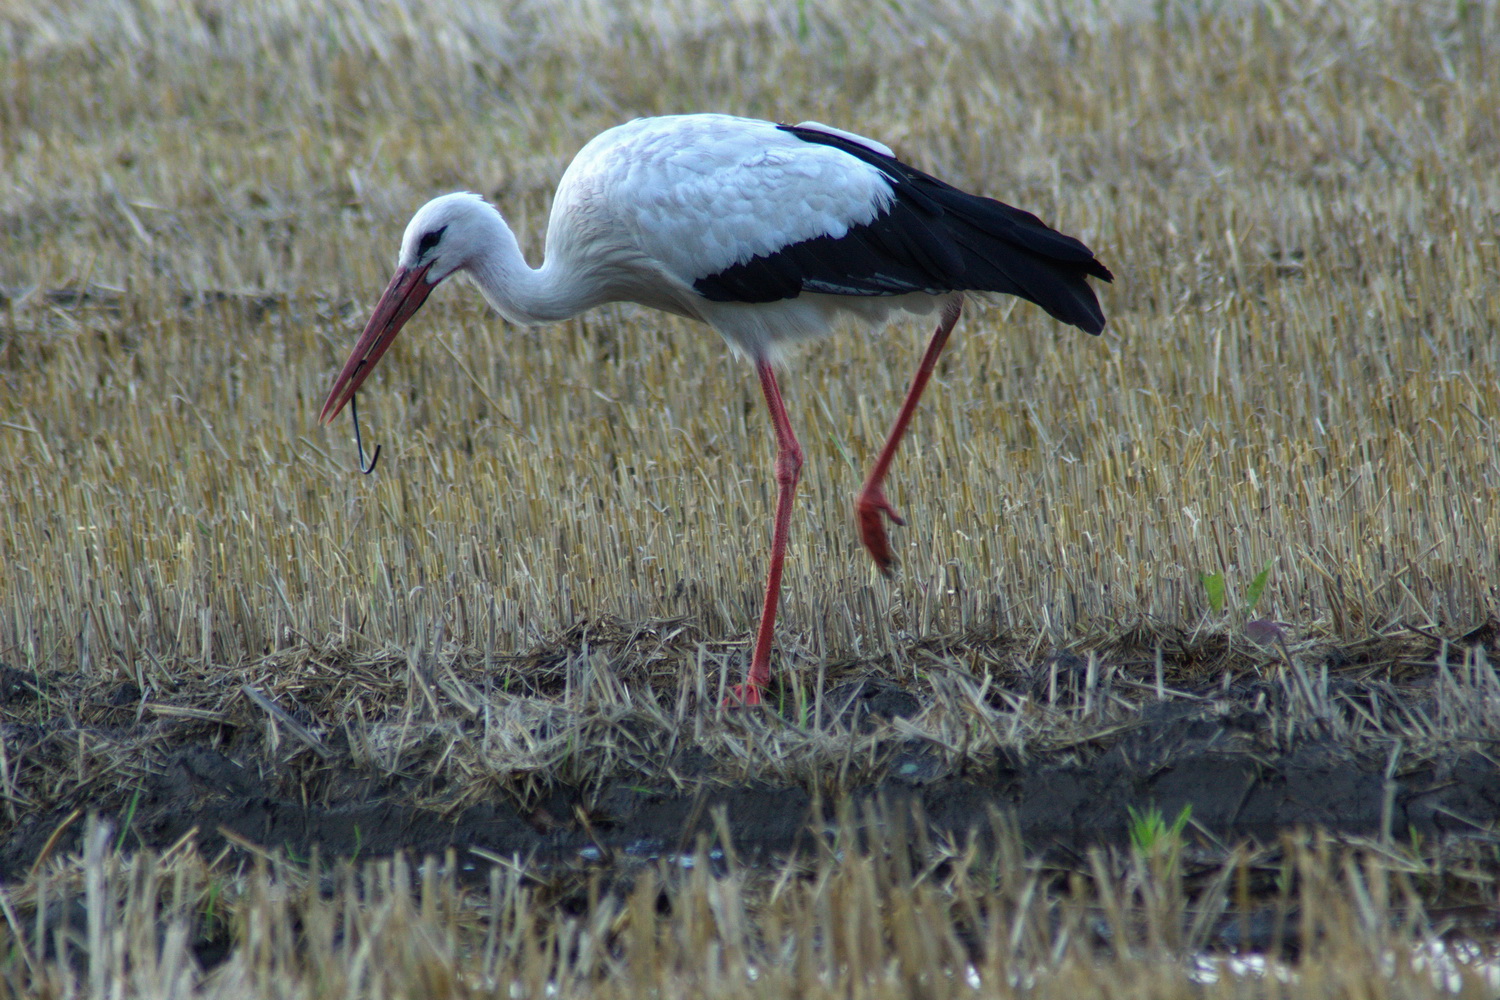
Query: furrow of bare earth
1244	756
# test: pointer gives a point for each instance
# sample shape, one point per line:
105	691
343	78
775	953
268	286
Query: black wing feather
934	238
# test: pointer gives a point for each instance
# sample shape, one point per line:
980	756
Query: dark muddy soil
1244	768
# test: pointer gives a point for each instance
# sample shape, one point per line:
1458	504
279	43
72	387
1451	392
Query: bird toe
870	513
744	696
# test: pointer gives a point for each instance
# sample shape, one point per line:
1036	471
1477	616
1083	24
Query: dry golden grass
1301	365
877	911
565	540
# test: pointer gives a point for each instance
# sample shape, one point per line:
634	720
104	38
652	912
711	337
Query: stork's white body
766	232
649	207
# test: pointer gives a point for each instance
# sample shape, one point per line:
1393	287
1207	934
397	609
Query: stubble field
1234	562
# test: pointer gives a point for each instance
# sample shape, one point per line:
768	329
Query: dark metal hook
375	457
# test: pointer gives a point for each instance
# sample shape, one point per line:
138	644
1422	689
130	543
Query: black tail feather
939	238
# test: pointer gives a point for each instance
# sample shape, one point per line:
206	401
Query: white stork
766	233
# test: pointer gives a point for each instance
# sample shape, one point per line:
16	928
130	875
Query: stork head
445	234
443	237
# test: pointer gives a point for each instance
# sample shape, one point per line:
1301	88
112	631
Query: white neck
521	293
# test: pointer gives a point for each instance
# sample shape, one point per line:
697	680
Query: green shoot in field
1214	589
1151	835
135	801
214	913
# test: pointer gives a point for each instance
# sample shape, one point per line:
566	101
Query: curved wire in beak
398	303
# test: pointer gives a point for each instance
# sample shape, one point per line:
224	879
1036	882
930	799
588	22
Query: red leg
788	469
871	508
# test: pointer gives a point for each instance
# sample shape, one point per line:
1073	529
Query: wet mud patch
1248	759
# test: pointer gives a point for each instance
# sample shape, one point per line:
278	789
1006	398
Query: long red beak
398	303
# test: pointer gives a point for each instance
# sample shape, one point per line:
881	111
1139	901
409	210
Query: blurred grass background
201	200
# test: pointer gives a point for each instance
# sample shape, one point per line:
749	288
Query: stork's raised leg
872	507
788	469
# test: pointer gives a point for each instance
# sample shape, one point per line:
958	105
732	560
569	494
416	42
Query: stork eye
429	240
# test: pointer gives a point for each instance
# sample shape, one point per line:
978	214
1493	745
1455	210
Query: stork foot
871	510
744	696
